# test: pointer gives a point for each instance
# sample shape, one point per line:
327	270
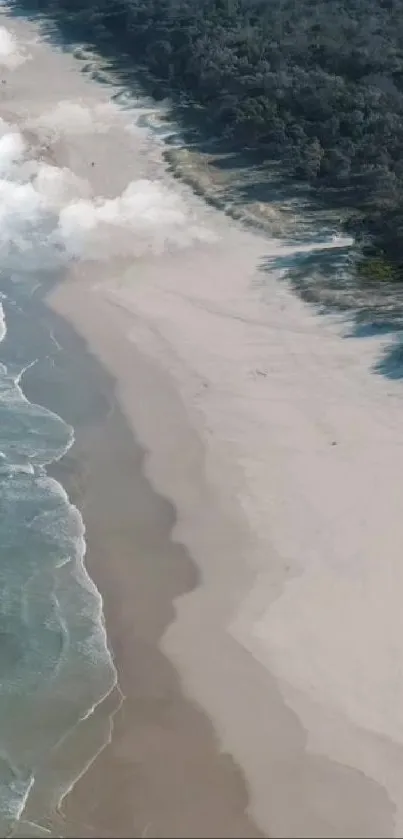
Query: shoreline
214	802
350	803
236	394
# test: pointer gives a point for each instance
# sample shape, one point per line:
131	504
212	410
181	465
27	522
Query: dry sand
163	774
282	455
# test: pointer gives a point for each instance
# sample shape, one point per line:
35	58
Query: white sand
244	392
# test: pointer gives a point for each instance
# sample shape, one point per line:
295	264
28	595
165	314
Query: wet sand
164	773
293	792
230	596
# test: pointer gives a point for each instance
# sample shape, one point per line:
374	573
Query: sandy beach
238	466
163	773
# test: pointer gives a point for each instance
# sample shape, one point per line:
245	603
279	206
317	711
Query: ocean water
55	665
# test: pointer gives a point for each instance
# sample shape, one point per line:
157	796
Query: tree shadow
256	191
390	364
243	179
318	275
325	278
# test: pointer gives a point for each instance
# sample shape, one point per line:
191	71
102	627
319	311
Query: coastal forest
315	84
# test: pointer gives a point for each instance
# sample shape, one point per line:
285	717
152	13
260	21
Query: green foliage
319	85
378	269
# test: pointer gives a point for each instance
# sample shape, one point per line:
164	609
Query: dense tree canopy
316	83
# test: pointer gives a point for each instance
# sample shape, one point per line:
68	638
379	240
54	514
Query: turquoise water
55	666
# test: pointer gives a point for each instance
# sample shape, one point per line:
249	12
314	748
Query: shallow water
54	660
55	665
